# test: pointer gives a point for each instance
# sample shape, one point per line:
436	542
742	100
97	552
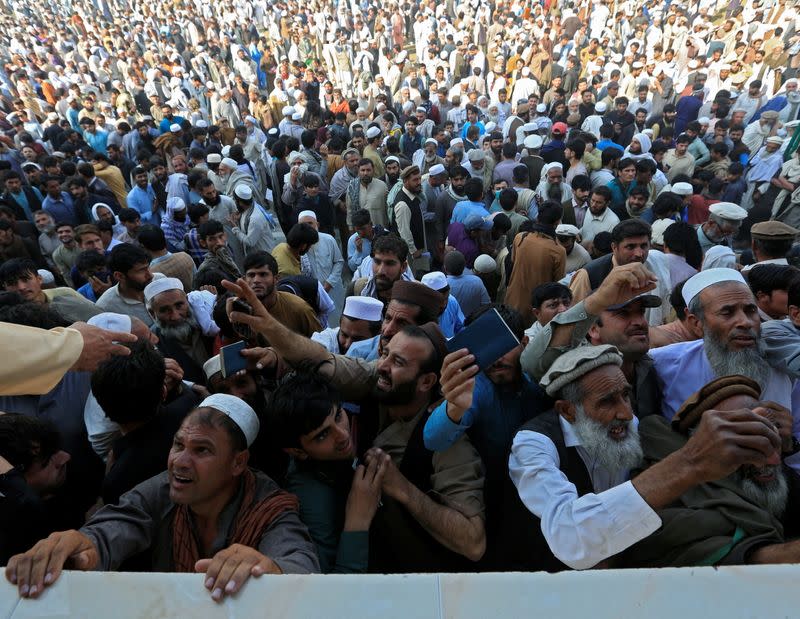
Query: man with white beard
575	502
747	517
179	334
721	303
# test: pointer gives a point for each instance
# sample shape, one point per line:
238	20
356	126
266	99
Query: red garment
698	209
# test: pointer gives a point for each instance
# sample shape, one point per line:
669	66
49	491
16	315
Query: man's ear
202	243
240	461
694	324
594	334
118	275
296	453
794	314
427	382
566	409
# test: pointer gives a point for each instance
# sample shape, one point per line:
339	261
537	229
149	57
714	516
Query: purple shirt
458	237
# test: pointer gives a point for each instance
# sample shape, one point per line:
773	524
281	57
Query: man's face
46	476
53	189
210	195
597	204
78	192
331	441
92	241
632	249
351	331
637	202
179	165
65	235
365	231
730	316
413	182
397	316
14	185
365	173
555	176
626	175
552	307
261	280
607	415
215	242
201	463
670	116
28	286
171	308
141	180
626	328
44	222
352	163
138	277
392	169
386	270
399	369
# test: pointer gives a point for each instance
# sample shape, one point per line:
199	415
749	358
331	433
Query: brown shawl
251	522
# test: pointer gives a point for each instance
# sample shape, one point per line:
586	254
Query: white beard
611	454
771	497
747	362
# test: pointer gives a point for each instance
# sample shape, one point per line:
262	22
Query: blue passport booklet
488	338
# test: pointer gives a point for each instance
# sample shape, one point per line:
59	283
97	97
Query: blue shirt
355	257
603	144
467	125
97	140
142	200
365	349
469	291
166	122
87	291
465	208
62	208
452	319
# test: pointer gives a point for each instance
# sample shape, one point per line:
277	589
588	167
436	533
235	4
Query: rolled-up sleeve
580	531
538	355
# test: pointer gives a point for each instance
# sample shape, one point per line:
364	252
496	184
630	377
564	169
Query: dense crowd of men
236	237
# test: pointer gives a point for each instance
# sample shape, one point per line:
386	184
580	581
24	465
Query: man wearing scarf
209	514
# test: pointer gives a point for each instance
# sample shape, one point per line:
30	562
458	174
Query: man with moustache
208	513
412	532
180	336
575	503
721	302
388	263
748	517
261	273
361	320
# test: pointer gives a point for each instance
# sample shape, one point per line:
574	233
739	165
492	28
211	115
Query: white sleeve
580	531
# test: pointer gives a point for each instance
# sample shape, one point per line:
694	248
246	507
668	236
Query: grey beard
183	332
771	497
793	97
611	454
554	192
747	362
47	228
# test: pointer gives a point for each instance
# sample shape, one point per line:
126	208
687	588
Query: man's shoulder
292	301
675	352
109	297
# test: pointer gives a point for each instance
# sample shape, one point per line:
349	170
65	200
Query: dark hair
508	199
640	190
361	217
578	147
125	256
682	240
667	203
603	191
550	212
258	259
550	290
196	211
300	405
152	238
510	315
210	277
473	189
129	215
609	154
301	234
772	248
129	389
390	244
581	181
629	228
15	269
627	162
90	259
25	440
209	228
767	278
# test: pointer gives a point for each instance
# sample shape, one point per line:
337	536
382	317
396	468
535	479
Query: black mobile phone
244	331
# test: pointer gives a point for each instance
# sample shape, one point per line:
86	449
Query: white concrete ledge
702	593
